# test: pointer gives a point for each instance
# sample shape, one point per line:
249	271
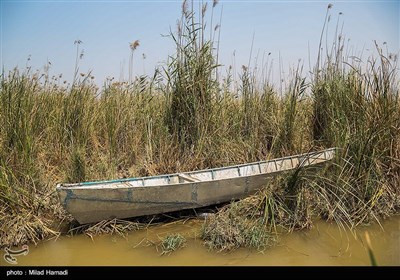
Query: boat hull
101	201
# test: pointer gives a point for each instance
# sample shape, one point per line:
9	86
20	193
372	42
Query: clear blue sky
46	30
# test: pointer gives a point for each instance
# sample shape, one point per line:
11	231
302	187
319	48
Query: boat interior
235	171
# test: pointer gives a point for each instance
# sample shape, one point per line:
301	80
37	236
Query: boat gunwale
93	184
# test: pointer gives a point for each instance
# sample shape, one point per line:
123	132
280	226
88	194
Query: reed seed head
184	8
204	9
134	45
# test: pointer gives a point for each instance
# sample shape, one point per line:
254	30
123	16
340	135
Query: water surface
325	244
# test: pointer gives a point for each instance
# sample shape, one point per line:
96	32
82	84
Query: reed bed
52	132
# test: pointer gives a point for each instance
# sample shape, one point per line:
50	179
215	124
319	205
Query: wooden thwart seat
188	178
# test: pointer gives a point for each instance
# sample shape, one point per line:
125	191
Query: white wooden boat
123	198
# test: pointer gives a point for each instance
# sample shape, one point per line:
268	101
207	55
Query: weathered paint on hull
93	204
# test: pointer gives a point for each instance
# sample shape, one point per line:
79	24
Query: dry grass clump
252	222
226	231
21	229
114	226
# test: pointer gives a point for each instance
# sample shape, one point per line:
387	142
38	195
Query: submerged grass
171	243
371	254
51	132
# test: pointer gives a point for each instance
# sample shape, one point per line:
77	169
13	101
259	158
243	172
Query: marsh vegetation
189	116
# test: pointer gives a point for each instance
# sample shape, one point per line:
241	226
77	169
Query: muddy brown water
325	244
